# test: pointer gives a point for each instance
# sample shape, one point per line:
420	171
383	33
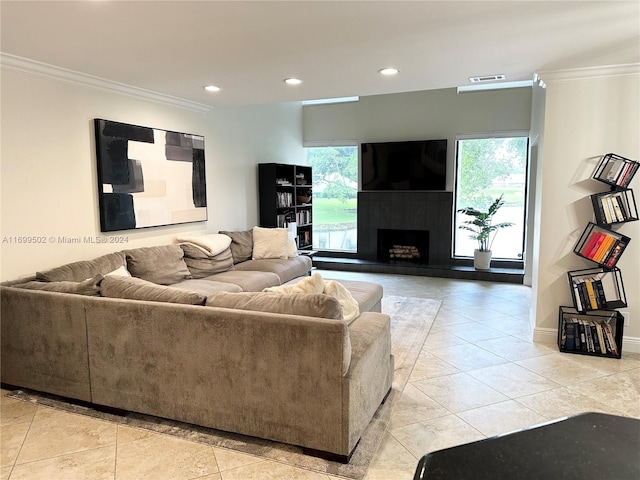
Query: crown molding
45	70
607	71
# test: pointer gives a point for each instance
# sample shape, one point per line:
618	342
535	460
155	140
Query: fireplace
403	246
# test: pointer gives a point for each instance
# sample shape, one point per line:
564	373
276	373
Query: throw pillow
213	243
80	271
307	304
241	245
90	286
201	264
119	272
163	264
270	243
138	289
292	248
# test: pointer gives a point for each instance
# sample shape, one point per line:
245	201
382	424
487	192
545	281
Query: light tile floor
478	375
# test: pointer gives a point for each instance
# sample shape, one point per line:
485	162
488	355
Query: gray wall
424	115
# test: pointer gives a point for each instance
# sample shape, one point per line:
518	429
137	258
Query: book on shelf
589	292
592	244
596	340
619	215
284	199
611	339
627	173
589	336
614	254
604	248
614	171
570	335
583	337
605	207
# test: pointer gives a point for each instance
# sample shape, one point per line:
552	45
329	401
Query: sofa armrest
44	342
370	374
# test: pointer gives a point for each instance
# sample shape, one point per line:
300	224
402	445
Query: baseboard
550	335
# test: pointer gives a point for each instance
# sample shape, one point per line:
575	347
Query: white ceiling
335	47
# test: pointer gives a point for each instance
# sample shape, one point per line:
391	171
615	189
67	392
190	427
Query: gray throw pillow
132	288
80	271
241	245
308	304
202	265
90	286
163	264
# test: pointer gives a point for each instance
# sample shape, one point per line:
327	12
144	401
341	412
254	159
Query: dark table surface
585	446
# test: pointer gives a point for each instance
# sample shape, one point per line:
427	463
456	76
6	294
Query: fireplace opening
403	246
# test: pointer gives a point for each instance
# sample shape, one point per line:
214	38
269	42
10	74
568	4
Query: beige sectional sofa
214	351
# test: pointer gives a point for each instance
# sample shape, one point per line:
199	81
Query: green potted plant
483	231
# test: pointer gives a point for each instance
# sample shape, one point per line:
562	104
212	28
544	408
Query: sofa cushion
80	271
206	287
90	286
270	243
285	269
307	304
247	281
367	294
163	264
241	244
138	289
201	264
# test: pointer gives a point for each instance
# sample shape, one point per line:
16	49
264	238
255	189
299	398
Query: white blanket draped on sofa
316	284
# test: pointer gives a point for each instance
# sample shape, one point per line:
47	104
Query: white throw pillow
270	243
292	248
119	272
213	243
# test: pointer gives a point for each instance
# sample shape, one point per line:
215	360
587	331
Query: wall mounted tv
411	165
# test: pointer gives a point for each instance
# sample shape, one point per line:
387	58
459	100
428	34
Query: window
485	169
335	197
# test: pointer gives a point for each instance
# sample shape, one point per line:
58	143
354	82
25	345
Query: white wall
585	117
431	114
48	166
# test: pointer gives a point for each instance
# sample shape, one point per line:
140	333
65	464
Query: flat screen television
412	165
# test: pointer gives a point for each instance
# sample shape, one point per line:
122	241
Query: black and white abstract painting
148	177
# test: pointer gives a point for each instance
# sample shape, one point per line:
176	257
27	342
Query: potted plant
483	231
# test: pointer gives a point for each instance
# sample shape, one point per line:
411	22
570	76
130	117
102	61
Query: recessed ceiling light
388	71
212	88
292	81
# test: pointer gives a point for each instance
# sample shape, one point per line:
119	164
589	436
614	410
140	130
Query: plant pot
481	259
302	199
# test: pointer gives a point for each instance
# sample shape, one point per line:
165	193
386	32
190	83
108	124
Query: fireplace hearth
403	246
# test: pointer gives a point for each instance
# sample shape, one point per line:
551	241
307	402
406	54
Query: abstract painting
148	177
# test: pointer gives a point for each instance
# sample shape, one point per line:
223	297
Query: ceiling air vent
487	78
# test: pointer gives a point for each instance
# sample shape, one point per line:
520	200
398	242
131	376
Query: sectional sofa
180	332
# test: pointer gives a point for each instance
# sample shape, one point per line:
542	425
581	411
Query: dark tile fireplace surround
410	233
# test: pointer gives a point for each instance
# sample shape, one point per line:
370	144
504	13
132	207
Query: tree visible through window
335	192
486	169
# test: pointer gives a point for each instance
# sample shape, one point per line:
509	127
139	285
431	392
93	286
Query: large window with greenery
485	169
335	193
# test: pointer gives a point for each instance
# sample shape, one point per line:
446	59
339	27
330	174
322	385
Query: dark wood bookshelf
285	194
